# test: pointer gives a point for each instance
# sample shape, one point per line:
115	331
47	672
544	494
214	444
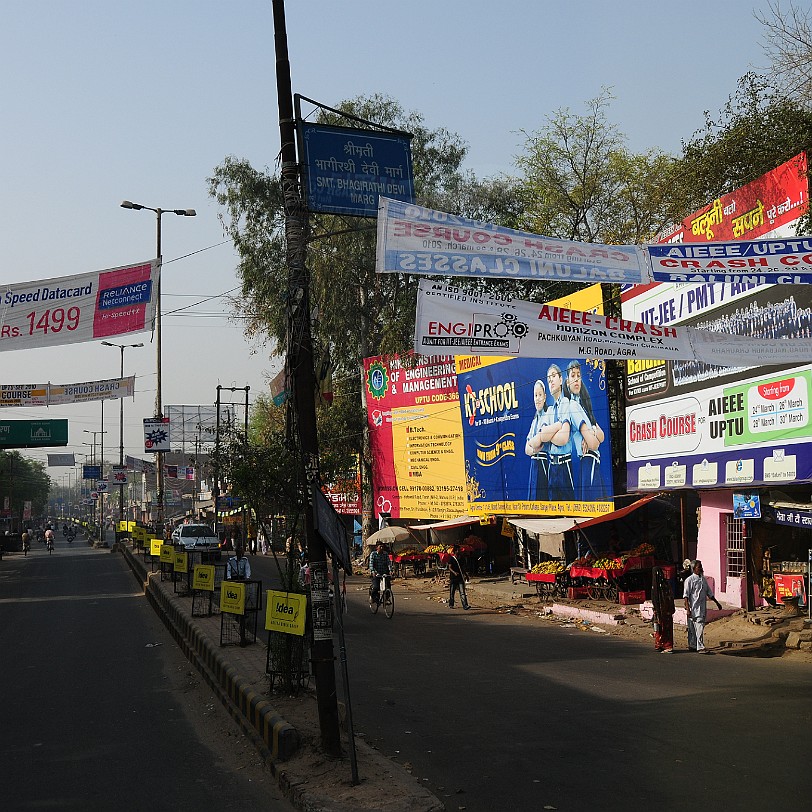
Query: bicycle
385	597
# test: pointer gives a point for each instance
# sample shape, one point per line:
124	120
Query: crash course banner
450	321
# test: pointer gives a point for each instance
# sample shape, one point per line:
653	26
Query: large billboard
536	436
701	425
476	435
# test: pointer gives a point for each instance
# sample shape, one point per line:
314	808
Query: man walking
697	591
456	579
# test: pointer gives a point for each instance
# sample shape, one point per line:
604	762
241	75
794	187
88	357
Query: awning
447	525
618	514
550	532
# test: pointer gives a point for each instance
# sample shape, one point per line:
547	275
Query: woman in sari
663	600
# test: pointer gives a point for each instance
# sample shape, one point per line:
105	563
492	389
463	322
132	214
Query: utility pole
300	364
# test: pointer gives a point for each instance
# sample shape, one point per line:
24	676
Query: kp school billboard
691	424
475	435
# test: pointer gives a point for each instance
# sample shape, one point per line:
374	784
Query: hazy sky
105	101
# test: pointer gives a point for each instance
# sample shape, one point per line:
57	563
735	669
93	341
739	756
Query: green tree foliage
758	129
24	480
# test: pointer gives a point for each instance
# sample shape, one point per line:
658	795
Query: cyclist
49	539
379	567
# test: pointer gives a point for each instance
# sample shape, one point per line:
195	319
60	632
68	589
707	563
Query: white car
196	537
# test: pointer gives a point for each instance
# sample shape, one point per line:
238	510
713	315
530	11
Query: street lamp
101	467
159	409
122	347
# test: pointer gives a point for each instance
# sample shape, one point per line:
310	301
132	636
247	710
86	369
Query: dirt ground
313	781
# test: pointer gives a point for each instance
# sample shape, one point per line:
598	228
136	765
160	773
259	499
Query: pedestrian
239	568
697	591
456	578
663	601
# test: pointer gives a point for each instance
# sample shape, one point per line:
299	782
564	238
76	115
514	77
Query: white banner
74	309
58	394
449	321
416	240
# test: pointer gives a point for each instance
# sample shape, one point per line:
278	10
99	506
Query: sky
107	100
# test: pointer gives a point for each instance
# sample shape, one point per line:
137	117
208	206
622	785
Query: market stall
613	579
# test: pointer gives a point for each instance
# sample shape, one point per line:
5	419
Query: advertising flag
75	309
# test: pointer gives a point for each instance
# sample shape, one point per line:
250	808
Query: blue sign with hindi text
348	169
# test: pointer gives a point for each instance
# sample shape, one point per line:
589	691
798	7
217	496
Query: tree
24	480
788	44
355	311
758	129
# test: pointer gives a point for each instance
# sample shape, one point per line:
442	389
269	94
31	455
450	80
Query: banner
743	422
450	320
413	416
61	460
536	436
416	240
53	394
784	262
75	309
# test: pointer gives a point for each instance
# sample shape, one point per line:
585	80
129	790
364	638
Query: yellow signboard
232	597
167	552
507	528
138	534
203	577
181	562
155	547
286	612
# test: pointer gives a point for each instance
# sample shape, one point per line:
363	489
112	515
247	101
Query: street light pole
122	347
159	410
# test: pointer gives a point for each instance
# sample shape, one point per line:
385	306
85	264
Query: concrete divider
253	711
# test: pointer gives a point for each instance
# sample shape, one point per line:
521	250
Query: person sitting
239	568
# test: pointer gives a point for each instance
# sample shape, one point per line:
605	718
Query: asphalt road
100	710
498	712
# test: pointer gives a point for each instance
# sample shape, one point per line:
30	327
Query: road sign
33	433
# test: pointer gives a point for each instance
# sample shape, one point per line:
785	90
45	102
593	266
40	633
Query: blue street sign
347	169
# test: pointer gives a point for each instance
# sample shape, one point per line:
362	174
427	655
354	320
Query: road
493	711
100	710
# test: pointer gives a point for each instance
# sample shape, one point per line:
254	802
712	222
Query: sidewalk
284	729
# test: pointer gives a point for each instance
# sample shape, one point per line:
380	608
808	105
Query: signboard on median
286	612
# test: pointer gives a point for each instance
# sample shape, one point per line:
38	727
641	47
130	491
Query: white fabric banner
74	309
449	321
416	240
58	394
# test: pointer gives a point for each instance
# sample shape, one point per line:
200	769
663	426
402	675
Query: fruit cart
549	585
603	578
417	561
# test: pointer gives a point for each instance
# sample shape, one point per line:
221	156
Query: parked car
197	537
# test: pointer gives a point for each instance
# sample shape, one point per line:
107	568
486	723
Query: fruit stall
550	578
623	578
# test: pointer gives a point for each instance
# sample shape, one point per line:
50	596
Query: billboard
691	423
536	436
416	437
450	435
84	307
